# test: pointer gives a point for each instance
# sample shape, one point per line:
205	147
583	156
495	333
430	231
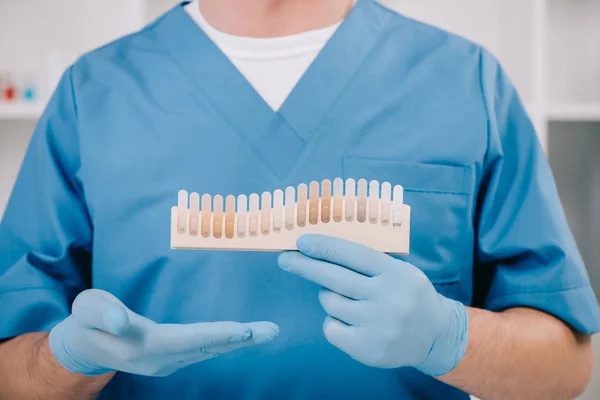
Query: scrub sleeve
526	252
46	234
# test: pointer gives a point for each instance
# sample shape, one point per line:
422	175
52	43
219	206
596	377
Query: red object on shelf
10	93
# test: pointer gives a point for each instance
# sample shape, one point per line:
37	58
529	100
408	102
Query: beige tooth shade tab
326	201
206	214
230	217
350	199
218	216
301	205
253	224
265	214
313	203
361	201
290	204
194	214
373	202
338	200
277	210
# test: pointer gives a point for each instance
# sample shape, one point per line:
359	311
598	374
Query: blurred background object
550	49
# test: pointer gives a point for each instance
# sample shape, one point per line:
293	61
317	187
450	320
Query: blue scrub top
388	98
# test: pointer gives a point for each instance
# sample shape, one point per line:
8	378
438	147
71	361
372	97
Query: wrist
450	345
63	382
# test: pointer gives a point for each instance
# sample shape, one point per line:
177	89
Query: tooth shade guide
251	225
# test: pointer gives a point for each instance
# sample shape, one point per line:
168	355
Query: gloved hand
103	335
383	312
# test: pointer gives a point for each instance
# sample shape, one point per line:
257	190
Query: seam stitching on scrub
561	290
486	108
412	163
437	192
444	281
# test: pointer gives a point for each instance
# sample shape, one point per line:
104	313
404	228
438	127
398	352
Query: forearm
522	354
28	370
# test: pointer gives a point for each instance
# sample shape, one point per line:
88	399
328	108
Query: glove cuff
62	353
450	345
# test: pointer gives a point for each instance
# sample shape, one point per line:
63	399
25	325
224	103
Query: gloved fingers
331	276
174	338
98	309
355	256
341	308
339	334
262	332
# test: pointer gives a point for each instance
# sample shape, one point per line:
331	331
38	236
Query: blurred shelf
574	112
21	111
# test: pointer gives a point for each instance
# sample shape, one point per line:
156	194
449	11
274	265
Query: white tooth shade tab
398	203
373	202
350	199
367	212
253	221
194	214
361	201
290	207
386	203
182	210
265	214
277	210
242	207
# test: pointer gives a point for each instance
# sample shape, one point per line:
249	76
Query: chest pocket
439	197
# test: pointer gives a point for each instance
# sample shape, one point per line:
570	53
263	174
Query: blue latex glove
102	335
383	312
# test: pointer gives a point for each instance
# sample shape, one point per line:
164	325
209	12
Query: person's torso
403	104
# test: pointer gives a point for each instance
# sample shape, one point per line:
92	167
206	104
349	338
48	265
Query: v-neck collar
278	137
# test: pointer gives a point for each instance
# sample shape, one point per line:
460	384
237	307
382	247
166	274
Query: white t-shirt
273	66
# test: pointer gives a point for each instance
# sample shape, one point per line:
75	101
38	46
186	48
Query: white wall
14	138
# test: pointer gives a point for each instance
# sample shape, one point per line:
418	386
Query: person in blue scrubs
493	300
